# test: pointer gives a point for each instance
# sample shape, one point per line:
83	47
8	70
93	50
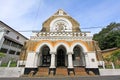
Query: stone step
62	71
77	69
42	72
43	69
80	71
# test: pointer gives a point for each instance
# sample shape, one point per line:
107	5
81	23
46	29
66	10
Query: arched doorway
45	58
78	56
61	51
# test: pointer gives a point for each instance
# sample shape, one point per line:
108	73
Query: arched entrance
61	51
78	56
45	56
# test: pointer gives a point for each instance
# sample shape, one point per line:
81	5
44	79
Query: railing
61	35
11	47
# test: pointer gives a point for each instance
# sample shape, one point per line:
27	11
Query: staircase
42	72
61	71
80	71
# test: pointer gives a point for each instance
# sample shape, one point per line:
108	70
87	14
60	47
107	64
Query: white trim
79	44
69	25
63	44
89	63
43	44
55	37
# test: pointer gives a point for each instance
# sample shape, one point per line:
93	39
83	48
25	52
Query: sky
28	15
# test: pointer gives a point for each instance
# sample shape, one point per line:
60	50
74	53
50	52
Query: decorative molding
43	44
66	21
61	44
67	38
83	47
38	34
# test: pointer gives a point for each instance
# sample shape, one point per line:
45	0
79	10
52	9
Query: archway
78	56
61	56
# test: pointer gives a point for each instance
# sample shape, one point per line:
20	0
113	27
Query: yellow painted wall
35	44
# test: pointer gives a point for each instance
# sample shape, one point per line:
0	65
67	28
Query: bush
108	66
117	66
13	64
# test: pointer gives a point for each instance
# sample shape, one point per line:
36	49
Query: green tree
116	54
109	37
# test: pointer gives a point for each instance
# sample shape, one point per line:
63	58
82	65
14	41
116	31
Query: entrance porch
60	58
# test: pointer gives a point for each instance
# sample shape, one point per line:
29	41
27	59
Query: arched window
46	56
76	54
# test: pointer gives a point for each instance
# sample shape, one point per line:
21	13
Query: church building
60	43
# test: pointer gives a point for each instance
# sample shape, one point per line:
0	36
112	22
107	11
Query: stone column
52	65
70	61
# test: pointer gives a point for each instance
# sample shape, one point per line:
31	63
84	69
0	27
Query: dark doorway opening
60	57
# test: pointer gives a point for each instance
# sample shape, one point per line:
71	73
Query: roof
109	50
60	14
64	14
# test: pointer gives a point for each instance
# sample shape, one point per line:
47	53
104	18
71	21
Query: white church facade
60	43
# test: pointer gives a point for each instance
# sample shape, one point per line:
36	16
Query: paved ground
69	78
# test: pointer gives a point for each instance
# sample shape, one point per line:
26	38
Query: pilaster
70	62
52	65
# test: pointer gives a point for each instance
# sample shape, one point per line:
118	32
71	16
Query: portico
58	58
61	54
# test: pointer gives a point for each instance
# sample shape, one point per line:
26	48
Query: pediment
60	14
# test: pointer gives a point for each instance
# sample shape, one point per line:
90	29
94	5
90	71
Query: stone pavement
68	78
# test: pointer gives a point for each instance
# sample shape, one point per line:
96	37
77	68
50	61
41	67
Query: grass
4	64
13	64
2	54
108	66
117	66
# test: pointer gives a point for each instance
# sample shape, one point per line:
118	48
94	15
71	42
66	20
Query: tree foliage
115	55
109	37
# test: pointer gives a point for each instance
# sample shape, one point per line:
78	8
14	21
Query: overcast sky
30	14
